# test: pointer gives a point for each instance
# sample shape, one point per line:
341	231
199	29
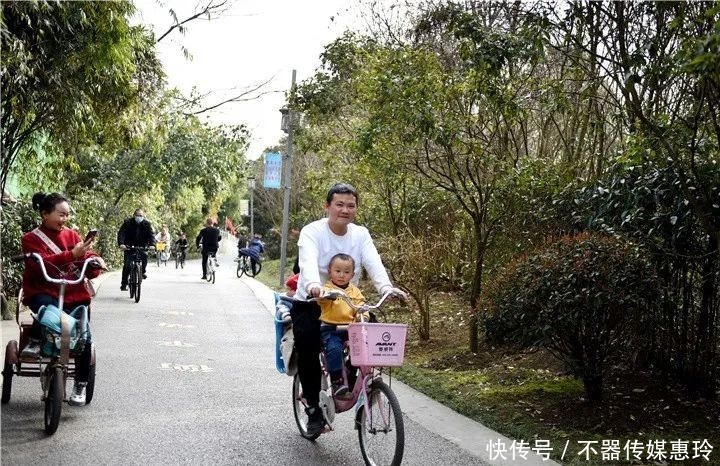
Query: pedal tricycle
64	336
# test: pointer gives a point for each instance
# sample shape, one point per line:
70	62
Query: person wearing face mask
135	231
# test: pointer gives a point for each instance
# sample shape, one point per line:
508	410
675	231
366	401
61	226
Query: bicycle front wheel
381	430
132	282
138	274
250	271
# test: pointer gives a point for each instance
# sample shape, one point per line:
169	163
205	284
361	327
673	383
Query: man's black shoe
123	287
203	277
144	276
316	422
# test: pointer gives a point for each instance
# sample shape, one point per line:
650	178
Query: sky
254	41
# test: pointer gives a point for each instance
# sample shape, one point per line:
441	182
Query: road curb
462	431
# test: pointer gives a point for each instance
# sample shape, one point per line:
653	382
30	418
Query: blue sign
273	170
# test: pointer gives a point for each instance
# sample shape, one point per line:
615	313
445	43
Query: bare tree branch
210	9
242	97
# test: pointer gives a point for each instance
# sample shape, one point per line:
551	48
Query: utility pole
251	186
287	126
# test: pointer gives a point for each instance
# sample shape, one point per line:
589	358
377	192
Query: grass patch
270	274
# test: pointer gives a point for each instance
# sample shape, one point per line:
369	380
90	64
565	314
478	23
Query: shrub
584	297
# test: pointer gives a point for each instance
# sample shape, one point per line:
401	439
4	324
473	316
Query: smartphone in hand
91	235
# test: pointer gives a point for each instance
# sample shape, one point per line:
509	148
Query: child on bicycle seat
341	270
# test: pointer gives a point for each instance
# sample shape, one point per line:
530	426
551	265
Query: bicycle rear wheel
299	405
53	401
210	270
381	431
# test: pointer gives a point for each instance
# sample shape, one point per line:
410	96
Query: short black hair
342	257
341	188
46	202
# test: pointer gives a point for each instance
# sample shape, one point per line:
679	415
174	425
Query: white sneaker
78	394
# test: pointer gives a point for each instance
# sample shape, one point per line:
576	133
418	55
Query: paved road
187	376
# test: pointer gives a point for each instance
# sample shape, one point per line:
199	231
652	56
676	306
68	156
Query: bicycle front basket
380	345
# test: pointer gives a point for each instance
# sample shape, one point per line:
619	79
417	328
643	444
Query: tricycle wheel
8	372
90	389
54	399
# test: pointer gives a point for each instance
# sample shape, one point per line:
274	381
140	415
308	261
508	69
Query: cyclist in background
135	231
181	245
210	239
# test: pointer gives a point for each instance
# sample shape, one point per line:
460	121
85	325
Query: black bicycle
180	254
135	277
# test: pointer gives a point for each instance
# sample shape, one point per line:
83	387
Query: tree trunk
474	323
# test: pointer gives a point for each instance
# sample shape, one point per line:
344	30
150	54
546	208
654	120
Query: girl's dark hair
342	188
46	202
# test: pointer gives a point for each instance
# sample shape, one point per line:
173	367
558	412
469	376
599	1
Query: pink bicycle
371	348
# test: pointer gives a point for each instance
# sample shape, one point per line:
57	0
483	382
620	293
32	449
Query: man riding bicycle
137	232
319	242
210	239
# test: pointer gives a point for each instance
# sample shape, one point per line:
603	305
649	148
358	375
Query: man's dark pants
308	344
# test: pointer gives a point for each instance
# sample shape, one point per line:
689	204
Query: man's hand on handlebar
315	291
123	247
397	293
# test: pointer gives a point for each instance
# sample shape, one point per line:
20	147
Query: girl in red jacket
61	248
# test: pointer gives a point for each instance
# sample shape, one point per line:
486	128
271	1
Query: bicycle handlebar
337	294
58	281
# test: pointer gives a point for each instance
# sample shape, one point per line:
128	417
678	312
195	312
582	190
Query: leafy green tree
69	71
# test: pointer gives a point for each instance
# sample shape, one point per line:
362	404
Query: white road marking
167	325
177	343
169	366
